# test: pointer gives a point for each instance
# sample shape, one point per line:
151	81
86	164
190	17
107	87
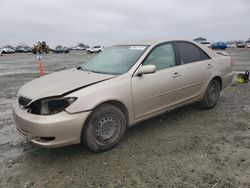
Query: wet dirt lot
188	147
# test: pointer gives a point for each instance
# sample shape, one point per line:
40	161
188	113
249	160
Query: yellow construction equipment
41	47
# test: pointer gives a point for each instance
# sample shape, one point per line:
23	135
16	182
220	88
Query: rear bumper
49	131
227	80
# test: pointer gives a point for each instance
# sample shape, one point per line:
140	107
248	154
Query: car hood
60	83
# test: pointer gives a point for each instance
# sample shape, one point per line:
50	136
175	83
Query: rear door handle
176	74
209	66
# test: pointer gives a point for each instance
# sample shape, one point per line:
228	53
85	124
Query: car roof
211	53
143	42
153	42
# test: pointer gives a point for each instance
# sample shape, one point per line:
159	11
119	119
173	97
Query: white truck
95	49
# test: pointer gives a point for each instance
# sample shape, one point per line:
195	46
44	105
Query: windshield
115	60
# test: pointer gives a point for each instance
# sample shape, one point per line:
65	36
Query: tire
99	51
212	95
104	128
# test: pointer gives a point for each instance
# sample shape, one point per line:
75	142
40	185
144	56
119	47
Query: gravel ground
188	147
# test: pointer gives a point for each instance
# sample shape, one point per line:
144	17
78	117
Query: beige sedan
123	85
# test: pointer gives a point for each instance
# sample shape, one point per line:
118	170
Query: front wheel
212	95
104	128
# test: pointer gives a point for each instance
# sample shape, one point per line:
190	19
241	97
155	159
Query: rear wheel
104	128
212	95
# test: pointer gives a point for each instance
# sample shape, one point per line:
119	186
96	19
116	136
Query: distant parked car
7	51
60	49
248	43
95	49
219	45
208	44
241	45
79	48
231	46
21	49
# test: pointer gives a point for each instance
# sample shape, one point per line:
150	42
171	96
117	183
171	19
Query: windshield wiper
97	72
80	68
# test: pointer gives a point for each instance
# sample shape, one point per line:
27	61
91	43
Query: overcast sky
108	22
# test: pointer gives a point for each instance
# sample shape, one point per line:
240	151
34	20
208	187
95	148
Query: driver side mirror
146	69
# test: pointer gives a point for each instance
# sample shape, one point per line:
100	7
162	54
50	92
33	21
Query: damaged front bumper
49	130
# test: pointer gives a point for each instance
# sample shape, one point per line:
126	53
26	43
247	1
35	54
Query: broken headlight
52	106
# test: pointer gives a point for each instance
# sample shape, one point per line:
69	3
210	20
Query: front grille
23	101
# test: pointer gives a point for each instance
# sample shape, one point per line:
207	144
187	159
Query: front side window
162	57
115	60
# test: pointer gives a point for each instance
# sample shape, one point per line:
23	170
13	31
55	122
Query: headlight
52	106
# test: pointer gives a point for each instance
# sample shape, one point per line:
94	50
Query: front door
153	92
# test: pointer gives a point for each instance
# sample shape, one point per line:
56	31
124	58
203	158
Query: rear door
195	68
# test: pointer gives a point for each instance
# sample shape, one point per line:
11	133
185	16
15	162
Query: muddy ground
188	147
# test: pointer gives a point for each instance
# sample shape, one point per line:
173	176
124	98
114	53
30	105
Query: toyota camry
123	85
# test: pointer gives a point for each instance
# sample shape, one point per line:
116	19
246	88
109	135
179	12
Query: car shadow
163	119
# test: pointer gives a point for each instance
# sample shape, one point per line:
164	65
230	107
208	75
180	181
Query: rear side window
189	53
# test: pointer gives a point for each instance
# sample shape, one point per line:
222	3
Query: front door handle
209	66
176	74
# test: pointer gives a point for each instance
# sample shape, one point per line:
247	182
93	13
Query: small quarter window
204	56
